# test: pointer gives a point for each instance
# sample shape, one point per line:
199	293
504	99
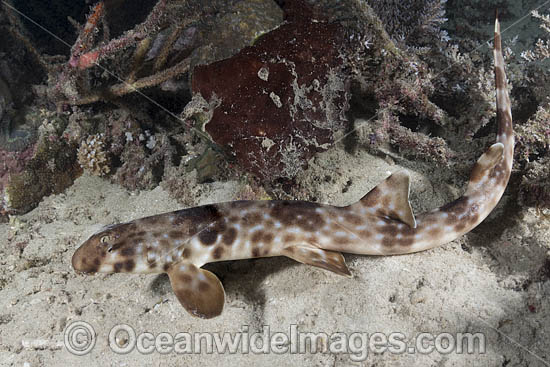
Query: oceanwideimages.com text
80	339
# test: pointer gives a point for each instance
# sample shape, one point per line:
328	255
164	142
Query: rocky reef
48	166
281	100
176	92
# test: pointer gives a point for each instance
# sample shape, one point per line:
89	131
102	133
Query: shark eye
106	239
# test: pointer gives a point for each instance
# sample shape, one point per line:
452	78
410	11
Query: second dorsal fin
391	199
483	166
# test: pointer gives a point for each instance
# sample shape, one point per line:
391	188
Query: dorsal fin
391	199
484	164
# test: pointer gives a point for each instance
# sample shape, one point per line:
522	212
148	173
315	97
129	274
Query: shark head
109	250
128	248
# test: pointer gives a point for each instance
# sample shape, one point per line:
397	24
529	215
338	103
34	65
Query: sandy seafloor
490	281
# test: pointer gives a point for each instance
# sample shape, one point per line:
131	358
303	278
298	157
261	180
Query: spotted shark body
381	223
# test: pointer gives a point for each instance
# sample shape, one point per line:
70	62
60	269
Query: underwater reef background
174	93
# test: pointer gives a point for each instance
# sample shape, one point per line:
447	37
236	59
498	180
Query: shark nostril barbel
381	223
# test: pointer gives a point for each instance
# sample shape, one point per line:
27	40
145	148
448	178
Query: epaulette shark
381	223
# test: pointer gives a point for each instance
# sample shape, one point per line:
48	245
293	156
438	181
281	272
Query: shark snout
85	261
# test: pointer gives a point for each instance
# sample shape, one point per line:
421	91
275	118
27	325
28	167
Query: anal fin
199	291
324	259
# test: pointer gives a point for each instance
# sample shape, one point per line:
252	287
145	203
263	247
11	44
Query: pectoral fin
199	291
311	255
